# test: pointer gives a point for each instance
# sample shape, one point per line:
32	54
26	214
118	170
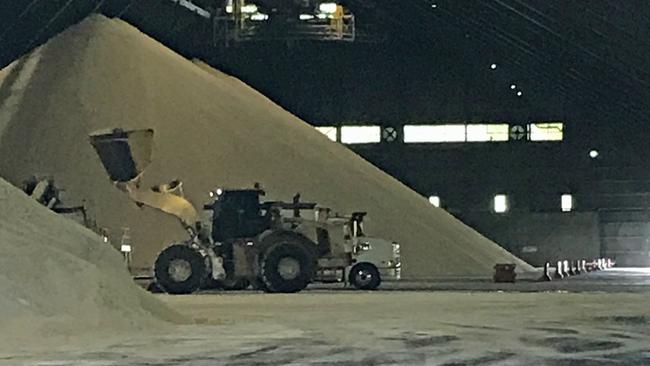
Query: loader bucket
124	154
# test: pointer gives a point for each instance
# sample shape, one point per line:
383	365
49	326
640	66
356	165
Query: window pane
551	131
488	132
329	131
434	133
360	134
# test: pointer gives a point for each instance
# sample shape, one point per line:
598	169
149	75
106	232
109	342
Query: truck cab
369	260
373	259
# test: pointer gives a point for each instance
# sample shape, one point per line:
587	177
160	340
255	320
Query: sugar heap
211	130
58	278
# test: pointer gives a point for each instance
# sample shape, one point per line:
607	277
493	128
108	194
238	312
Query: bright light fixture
520	93
125	248
513	86
329	131
434	200
249	9
259	17
546	131
328	8
594	154
500	203
360	134
434	5
567	203
434	133
493	66
305	17
488	132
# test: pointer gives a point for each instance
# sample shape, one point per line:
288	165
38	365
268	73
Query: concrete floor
600	318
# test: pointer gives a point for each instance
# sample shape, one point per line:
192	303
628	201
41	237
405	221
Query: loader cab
238	214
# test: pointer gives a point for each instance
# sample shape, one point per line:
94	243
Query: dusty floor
597	319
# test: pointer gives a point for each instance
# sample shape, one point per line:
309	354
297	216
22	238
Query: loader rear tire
288	265
180	269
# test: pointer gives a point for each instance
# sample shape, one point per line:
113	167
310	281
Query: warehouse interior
485	141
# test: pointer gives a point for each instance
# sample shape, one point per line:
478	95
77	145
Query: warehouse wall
611	213
539	237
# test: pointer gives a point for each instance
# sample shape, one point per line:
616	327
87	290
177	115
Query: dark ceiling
418	59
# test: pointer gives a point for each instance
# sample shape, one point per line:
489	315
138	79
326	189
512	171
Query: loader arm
125	155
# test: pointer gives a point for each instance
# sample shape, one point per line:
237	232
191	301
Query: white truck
371	259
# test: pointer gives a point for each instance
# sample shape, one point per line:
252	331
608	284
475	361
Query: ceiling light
513	86
434	5
519	93
493	66
306	17
259	17
594	154
328	8
249	9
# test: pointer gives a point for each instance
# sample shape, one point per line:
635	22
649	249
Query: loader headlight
364	247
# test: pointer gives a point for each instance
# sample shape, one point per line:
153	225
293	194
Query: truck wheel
365	276
180	269
288	265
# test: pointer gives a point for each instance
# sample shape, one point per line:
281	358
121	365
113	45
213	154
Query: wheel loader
239	239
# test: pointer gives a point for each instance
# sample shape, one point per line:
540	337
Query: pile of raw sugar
210	130
59	279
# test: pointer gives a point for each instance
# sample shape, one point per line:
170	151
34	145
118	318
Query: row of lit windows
369	134
501	203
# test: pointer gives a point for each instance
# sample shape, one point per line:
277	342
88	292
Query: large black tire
180	269
288	264
365	276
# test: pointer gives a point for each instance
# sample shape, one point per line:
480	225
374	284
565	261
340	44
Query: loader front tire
180	269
